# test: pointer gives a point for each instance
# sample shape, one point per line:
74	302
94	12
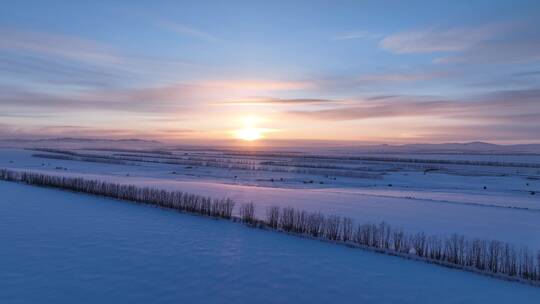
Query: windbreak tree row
177	200
192	161
488	256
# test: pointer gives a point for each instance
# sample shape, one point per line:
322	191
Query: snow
435	204
63	247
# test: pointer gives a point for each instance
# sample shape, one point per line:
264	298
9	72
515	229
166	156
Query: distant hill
76	139
470	147
476	147
75	142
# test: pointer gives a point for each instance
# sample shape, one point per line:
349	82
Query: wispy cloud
393	77
513	50
527	73
35	131
492	43
57	45
279	101
52	59
381	97
52	131
258	85
496	106
57	59
500	132
136	100
357	35
380	110
48	70
187	31
437	40
163	99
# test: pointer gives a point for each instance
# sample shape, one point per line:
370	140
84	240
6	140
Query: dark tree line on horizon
491	257
199	162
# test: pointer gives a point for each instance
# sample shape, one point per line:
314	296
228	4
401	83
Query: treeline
489	257
105	149
86	159
192	158
307	158
317	165
215	163
162	152
177	200
389	159
54	156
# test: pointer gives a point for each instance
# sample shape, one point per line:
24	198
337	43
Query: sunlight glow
250	132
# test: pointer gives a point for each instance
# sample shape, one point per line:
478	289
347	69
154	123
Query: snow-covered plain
451	200
62	247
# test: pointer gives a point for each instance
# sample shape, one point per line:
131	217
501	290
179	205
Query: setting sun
249	134
250	131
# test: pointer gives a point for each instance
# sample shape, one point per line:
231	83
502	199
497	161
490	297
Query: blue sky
369	71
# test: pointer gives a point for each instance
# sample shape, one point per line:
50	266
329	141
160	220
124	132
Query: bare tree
247	213
272	217
347	232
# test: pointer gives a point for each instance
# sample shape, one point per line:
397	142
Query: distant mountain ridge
469	147
76	142
476	147
80	139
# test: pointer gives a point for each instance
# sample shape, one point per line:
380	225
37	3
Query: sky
213	71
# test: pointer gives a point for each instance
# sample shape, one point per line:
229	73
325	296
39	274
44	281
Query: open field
66	247
419	197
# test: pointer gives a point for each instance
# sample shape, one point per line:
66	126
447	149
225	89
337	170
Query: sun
250	132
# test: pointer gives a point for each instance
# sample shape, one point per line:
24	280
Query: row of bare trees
206	162
246	165
86	159
341	158
200	159
177	200
455	250
486	256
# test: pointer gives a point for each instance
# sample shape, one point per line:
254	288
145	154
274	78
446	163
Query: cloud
62	60
513	50
496	106
24	115
279	101
57	45
400	77
257	85
492	43
52	59
48	70
176	131
380	110
357	35
69	131
381	97
501	132
188	31
527	73
436	40
136	100
164	99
